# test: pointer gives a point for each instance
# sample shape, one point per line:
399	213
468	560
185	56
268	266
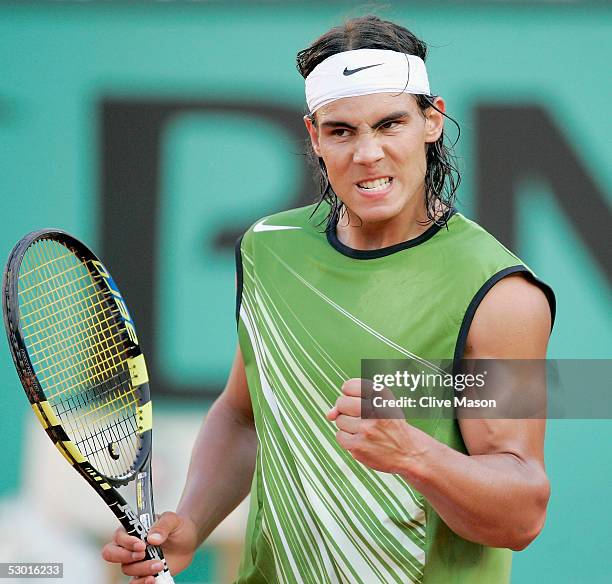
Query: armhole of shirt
482	292
238	256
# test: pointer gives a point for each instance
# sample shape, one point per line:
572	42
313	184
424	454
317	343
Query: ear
434	120
314	135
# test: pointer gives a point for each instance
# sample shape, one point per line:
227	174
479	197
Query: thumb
332	414
163	527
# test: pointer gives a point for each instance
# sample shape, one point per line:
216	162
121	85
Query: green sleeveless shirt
309	309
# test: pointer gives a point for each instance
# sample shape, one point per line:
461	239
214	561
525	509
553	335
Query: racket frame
135	524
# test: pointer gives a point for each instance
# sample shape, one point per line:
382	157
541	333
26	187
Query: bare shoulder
513	321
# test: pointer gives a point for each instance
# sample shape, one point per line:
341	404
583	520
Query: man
396	273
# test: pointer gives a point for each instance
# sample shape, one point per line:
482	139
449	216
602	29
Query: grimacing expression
374	149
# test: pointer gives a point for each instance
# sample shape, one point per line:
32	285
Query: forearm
494	499
221	468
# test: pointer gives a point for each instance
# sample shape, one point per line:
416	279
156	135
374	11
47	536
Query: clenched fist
387	444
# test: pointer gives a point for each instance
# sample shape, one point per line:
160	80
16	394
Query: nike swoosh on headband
348	71
261	227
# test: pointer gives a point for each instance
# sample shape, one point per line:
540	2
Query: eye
389	125
340	132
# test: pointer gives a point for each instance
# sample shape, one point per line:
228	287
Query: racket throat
144	498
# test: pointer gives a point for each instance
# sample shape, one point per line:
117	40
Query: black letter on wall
518	141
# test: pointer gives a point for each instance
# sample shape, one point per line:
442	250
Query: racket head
76	351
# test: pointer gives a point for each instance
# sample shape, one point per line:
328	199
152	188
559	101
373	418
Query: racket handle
164	577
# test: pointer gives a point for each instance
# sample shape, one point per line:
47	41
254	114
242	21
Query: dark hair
442	177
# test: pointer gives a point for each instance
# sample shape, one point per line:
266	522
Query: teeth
375	185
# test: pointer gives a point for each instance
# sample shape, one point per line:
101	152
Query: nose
367	150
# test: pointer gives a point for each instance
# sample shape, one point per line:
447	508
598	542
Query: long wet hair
442	177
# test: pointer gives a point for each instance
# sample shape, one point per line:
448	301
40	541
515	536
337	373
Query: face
374	150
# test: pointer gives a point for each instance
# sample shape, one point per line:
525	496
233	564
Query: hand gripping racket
75	348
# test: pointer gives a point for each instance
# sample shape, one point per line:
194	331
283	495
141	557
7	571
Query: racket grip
164	577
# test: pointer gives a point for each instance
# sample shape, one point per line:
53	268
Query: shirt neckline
368	254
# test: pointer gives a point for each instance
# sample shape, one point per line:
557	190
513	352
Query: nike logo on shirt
262	227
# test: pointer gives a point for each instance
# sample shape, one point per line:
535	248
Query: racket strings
80	352
80	349
81	339
82	431
116	431
89	319
41	283
50	306
97	441
23	274
47	308
95	392
78	346
110	361
86	338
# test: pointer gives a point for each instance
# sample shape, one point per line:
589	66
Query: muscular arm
223	457
498	494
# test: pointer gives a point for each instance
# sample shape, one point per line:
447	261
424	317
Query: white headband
362	72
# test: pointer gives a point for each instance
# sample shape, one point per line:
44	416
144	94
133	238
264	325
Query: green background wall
61	62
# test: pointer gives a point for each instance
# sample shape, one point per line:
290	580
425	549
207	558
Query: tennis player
383	267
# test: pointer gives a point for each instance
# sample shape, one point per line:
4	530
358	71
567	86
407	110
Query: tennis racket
76	351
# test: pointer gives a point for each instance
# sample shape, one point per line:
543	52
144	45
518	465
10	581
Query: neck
356	233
